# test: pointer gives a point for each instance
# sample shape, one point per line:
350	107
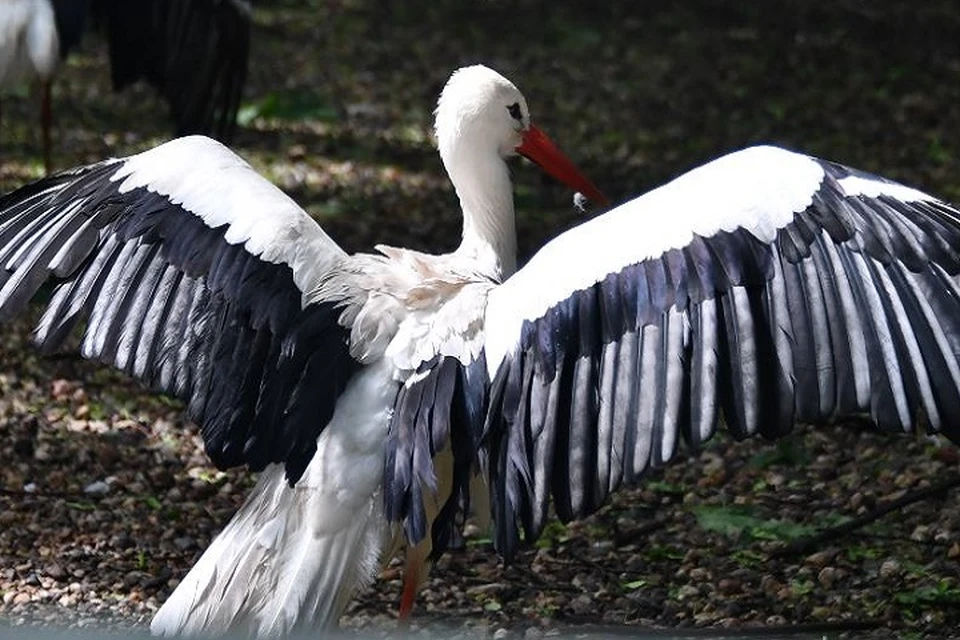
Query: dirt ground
106	497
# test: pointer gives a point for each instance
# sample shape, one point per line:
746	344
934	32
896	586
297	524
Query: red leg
411	583
46	116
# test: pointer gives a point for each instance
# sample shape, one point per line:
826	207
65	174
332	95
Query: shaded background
338	113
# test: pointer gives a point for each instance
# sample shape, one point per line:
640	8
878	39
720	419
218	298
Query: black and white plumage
766	287
194	52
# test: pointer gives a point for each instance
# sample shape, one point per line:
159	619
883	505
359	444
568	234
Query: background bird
30	49
766	287
194	52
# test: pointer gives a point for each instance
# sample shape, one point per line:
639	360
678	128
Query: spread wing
191	272
765	288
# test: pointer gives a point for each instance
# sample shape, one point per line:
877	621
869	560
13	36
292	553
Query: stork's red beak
537	147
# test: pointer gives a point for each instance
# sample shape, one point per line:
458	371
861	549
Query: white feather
759	189
208	179
290	559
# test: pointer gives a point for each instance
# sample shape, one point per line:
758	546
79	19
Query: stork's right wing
194	274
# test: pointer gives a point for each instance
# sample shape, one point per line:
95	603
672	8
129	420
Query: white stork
30	51
194	52
766	287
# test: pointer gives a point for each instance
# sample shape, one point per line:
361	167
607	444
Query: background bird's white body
29	46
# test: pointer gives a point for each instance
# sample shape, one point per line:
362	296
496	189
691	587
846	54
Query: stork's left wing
766	287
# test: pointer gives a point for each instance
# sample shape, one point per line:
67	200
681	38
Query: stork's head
482	113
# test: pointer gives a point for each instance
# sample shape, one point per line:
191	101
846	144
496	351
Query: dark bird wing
765	288
194	52
194	274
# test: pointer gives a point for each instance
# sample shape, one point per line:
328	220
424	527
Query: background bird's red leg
46	116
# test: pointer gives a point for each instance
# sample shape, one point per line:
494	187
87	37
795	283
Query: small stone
820	558
770	585
889	569
827	577
97	488
184	543
61	388
820	613
687	591
500	634
699	574
132	578
921	533
582	605
56	572
729	586
532	633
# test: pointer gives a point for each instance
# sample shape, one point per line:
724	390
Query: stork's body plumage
767	287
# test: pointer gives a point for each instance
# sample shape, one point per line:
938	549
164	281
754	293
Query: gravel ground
106	497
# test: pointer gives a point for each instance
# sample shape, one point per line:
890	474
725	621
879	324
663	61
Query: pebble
582	605
728	586
687	591
184	543
889	569
56	572
97	488
827	577
532	633
820	558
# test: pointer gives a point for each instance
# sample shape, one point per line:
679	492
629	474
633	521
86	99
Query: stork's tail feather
278	566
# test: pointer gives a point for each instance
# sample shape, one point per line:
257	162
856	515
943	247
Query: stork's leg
46	116
412	576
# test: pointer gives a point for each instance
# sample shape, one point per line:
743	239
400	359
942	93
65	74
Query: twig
807	544
23	493
624	538
772	631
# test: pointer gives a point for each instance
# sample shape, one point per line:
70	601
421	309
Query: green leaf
736	521
290	105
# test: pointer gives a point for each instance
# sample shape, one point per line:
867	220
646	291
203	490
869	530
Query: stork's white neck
482	181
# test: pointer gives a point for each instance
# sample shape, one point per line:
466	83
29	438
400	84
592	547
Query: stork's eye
514	110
